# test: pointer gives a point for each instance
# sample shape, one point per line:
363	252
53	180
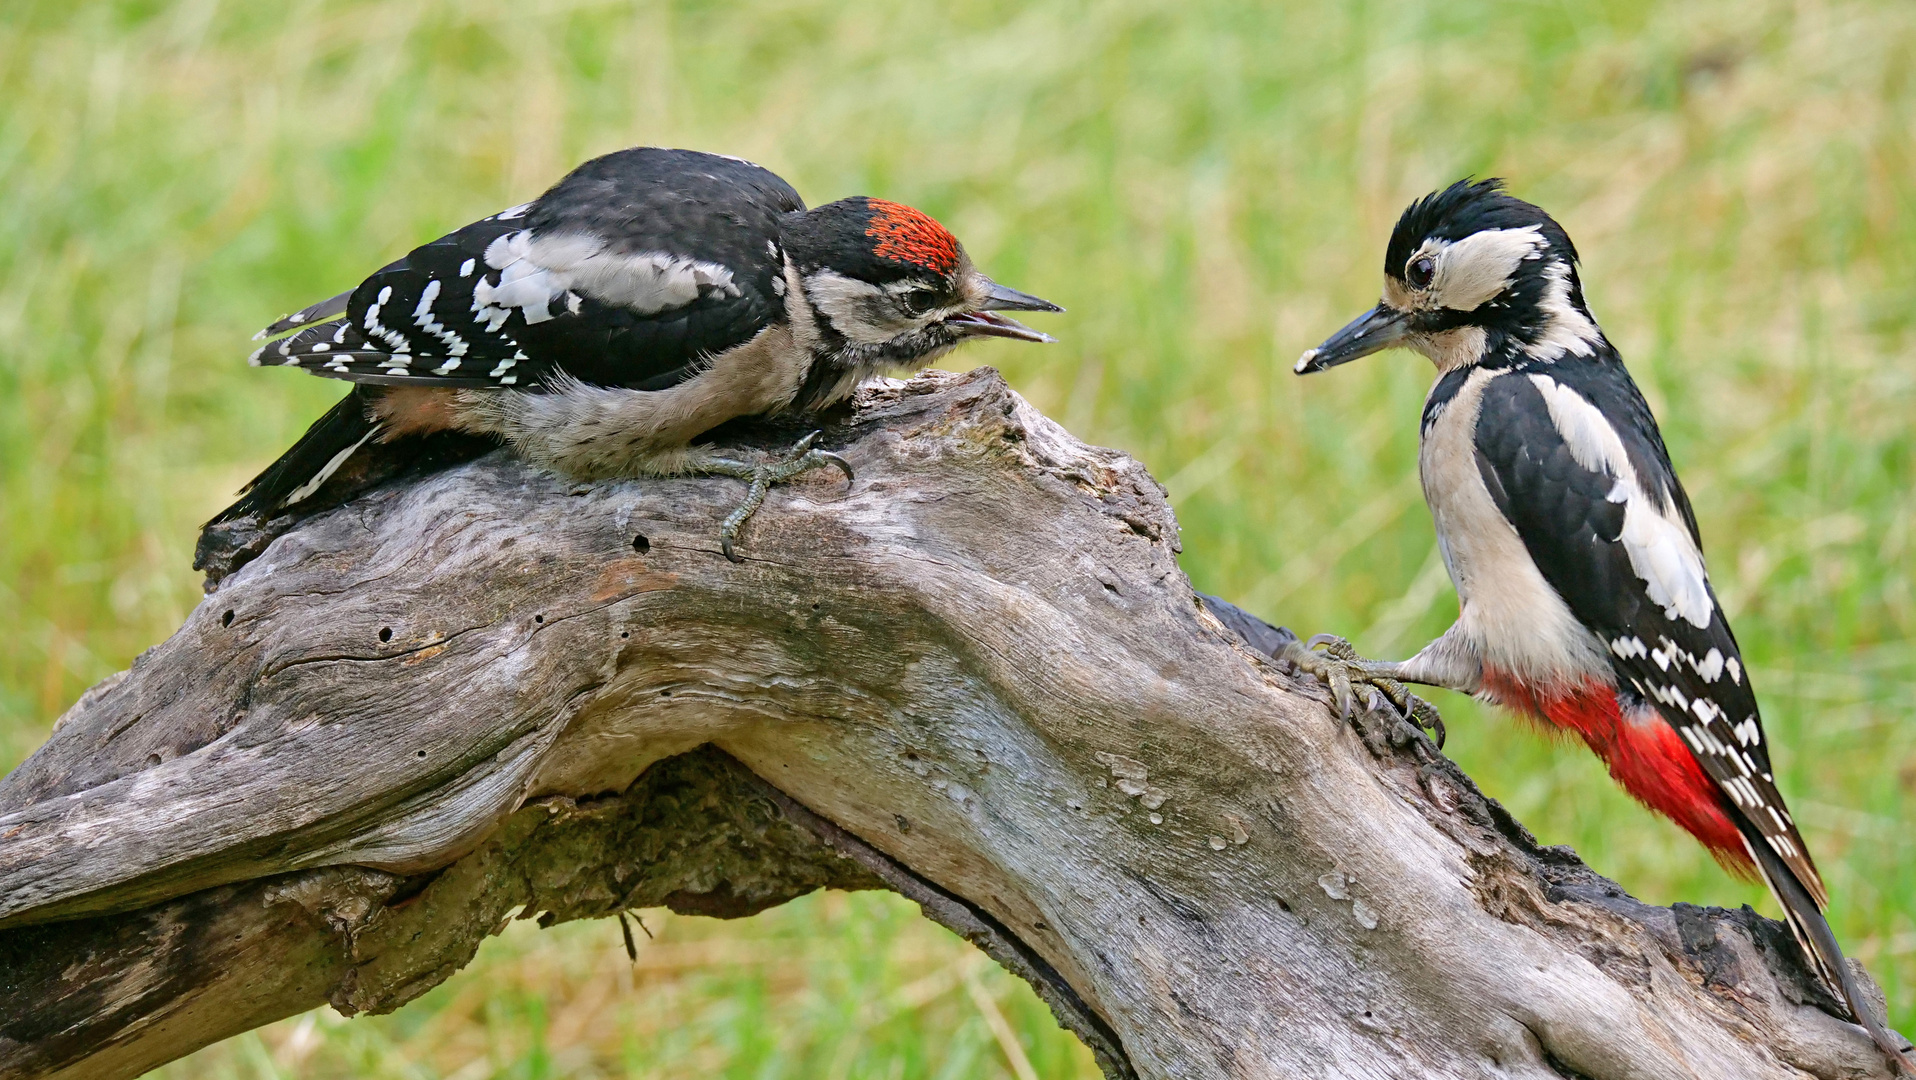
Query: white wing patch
537	270
1655	539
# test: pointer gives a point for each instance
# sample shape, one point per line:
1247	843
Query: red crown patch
908	236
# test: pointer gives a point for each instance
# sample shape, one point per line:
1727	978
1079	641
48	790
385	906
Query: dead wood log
976	677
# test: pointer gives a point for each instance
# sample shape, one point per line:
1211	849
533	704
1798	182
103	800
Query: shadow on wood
976	677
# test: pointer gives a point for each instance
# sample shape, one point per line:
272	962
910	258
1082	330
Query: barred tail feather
301	470
1818	941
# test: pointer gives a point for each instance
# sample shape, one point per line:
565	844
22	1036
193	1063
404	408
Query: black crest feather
1465	207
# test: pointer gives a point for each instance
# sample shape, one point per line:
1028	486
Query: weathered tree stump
976	677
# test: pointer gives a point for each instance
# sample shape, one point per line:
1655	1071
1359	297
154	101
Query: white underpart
595	432
1450	349
306	489
536	270
1509	617
1566	329
1658	544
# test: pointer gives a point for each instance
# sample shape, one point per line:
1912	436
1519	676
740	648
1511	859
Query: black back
421	320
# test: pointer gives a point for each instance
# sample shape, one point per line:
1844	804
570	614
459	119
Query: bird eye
1420	271
919	301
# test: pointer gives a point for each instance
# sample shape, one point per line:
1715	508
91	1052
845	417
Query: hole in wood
640	544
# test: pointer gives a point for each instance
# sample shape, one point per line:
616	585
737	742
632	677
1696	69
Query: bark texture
976	676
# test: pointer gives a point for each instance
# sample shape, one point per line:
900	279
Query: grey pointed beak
984	321
1373	331
1003	298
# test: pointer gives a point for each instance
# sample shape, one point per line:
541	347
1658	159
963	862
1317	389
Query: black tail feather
298	472
1813	933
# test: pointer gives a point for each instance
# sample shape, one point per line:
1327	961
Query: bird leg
1338	666
761	476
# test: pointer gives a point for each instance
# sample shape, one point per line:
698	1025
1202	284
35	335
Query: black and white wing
1574	461
629	272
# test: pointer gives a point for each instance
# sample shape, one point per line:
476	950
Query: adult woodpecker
648	297
1583	597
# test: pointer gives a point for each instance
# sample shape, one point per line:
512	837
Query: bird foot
1339	667
762	476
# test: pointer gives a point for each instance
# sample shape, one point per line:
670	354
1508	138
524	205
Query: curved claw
839	463
1425	716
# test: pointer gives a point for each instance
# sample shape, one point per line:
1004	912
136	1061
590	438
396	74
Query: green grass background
1207	185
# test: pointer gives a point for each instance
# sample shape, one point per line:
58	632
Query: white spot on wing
394	340
1657	543
422	317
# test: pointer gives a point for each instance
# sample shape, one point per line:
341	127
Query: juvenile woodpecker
1583	597
648	297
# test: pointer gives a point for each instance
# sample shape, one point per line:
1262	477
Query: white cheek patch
856	309
1565	328
1480	266
535	271
1656	541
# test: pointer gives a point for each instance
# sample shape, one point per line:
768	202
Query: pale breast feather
1510	615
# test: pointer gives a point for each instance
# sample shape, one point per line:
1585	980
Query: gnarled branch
977	677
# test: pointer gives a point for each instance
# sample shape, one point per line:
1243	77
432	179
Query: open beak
985	322
1373	331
